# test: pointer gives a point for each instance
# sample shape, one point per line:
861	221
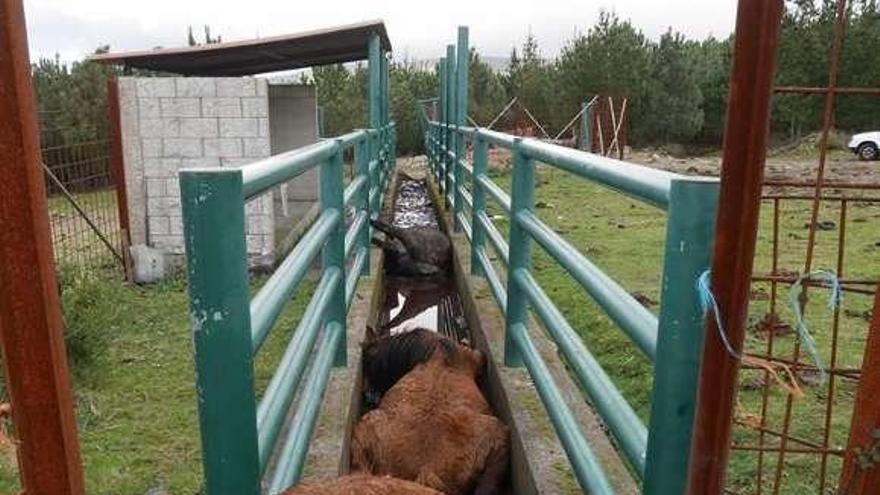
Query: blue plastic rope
834	300
707	302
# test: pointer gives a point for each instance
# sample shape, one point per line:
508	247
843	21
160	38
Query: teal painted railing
238	432
658	452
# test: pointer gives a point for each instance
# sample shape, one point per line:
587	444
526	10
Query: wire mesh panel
82	197
815	275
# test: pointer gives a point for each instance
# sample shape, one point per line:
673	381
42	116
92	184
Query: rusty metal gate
780	390
85	187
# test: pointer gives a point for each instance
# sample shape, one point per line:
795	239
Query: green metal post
689	235
362	159
522	199
394	145
441	131
587	127
386	90
375	54
435	133
374	175
461	103
481	151
450	120
333	255
214	233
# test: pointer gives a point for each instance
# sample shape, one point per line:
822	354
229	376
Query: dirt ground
840	165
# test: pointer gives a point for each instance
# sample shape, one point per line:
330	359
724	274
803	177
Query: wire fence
795	410
81	196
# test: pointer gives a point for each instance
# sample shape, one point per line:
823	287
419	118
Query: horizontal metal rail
354	188
496	192
357	268
283	385
269	301
644	183
495	237
657	453
295	448
604	395
633	318
355	230
495	285
262	175
238	434
465	226
587	468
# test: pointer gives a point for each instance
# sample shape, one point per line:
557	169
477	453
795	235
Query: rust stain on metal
742	172
117	169
31	334
859	477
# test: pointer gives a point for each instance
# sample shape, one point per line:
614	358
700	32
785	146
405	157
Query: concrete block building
217	114
171	123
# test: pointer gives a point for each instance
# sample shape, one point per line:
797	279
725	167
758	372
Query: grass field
134	380
625	238
134	374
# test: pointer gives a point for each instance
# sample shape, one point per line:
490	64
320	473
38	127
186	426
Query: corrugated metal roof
239	58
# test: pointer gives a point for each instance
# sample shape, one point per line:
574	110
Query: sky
418	30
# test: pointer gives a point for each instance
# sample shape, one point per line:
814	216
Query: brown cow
360	484
435	427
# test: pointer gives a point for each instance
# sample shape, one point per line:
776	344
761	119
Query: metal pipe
353	188
212	204
495	284
264	174
353	234
37	376
587	468
854	479
615	411
269	301
523	196
285	382
745	143
680	334
633	318
478	207
496	192
465	225
296	446
495	237
643	183
357	268
333	255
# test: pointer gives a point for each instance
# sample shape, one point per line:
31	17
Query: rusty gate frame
31	333
747	129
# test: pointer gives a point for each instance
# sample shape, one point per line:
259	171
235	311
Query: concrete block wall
170	123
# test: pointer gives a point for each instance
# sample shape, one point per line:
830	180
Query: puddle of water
413	207
410	302
430	304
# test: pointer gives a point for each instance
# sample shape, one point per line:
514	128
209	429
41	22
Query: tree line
676	86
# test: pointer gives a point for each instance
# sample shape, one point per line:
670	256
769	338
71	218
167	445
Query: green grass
625	238
131	346
134	381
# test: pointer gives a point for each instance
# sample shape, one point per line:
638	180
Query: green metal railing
239	433
658	452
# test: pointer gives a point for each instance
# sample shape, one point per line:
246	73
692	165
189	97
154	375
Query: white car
866	145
